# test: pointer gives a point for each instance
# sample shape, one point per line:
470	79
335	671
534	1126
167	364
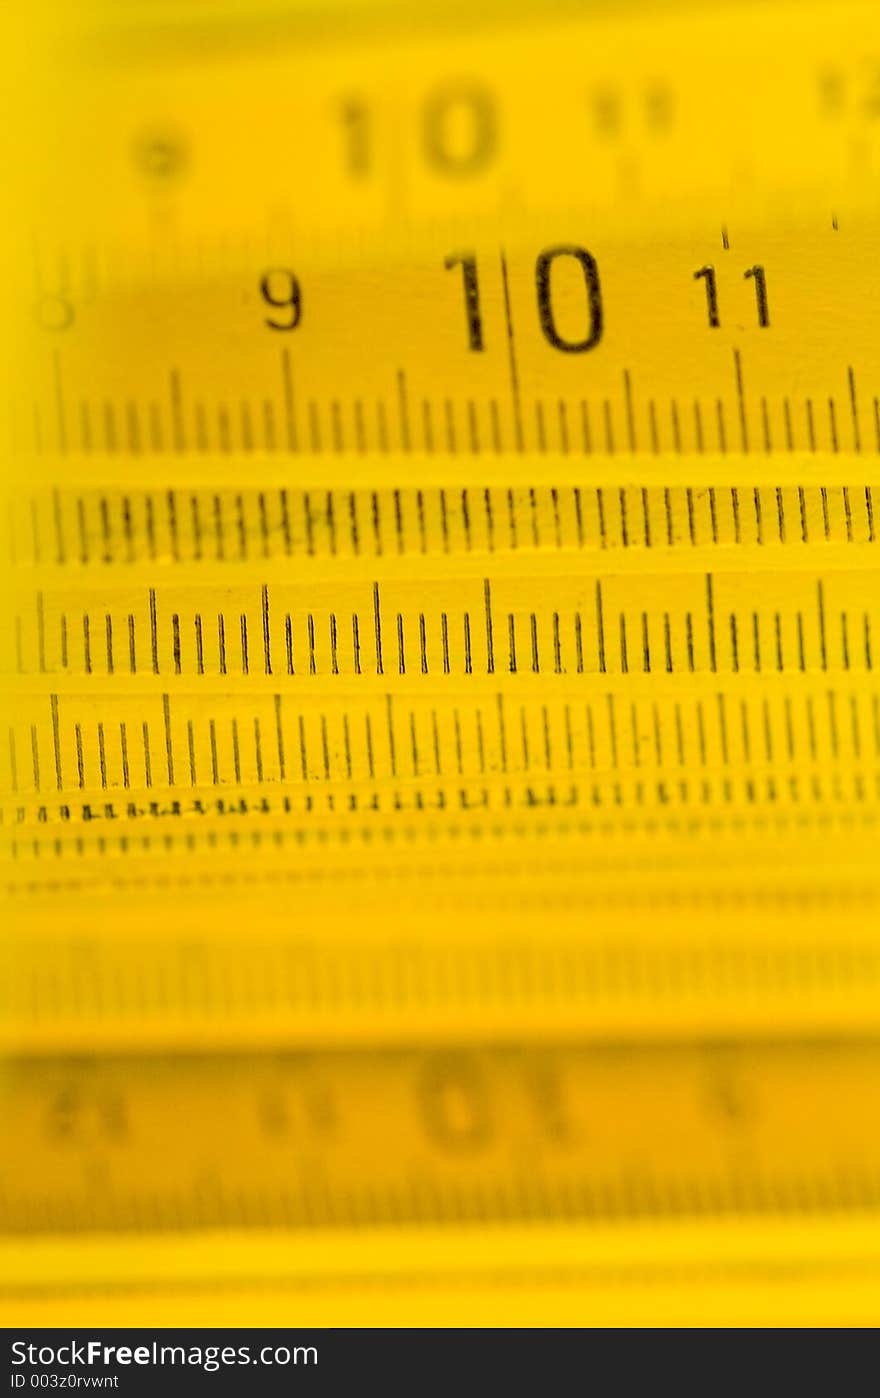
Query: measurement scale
697	623
399	122
441	751
568	341
524	1151
410	696
733	878
201	525
493	1133
618	957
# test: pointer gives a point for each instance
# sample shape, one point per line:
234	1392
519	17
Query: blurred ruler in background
190	130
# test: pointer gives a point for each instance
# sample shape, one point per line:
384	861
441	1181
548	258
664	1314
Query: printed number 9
280	288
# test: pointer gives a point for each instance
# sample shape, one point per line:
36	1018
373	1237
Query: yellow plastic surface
440	752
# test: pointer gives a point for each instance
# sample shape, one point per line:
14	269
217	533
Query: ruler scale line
519	439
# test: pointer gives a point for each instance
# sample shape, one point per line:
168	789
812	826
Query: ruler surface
566	338
631	111
487	1134
439	705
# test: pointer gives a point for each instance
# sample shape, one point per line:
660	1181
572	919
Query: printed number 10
543	269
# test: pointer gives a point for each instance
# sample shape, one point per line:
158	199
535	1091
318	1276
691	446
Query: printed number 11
707	274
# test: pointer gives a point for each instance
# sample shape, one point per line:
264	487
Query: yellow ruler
516	1182
268	125
580	934
498	340
499	1133
508	540
439	726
